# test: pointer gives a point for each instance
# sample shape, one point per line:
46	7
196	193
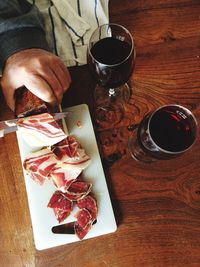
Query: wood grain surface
157	206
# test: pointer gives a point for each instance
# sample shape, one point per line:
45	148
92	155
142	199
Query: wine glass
166	133
111	55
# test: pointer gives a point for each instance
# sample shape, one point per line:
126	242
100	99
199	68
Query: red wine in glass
111	55
110	62
166	133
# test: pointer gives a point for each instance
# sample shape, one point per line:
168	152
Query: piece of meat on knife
39	164
40	130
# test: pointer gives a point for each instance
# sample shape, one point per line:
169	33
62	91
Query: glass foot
109	115
136	151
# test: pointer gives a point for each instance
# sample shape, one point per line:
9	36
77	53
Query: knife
66	228
9	126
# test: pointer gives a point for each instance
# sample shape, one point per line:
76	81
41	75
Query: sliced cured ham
66	149
40	130
45	164
61	206
64	177
70	152
85	216
72	161
78	190
89	203
81	232
38	165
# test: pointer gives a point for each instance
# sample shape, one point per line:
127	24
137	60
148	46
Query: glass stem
112	92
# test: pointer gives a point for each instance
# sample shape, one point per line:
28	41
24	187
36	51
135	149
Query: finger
9	97
54	83
57	88
65	77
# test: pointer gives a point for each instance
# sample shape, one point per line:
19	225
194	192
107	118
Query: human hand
40	71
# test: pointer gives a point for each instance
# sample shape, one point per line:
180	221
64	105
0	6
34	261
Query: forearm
21	27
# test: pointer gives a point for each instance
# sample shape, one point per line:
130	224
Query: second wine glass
111	55
166	133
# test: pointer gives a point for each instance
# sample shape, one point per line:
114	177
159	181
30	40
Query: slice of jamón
61	205
81	232
89	203
78	190
39	164
84	218
40	130
70	152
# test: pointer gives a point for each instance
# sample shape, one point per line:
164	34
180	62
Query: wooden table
157	206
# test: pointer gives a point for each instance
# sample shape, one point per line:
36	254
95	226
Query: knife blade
9	126
66	228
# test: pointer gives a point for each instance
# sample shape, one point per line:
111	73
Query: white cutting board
43	218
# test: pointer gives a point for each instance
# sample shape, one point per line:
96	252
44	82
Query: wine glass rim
148	128
132	44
